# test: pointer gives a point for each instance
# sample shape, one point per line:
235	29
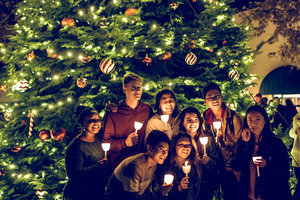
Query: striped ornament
191	59
233	74
107	65
30	124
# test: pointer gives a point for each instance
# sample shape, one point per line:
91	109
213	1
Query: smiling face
159	153
92	123
133	90
213	99
167	104
256	122
191	123
183	148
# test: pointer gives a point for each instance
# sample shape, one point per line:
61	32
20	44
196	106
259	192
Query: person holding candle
119	129
132	178
226	137
190	121
166	107
85	163
184	165
265	178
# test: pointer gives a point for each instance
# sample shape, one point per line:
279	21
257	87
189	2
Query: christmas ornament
58	134
211	50
81	82
31	56
7	116
130	11
224	42
2	172
233	74
67	21
194	1
23	122
167	56
16	149
107	65
191	58
3	88
22	85
85	59
41	193
104	23
51	53
147	60
191	44
174	5
30	115
44	135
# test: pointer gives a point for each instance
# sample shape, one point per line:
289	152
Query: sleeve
238	126
213	153
74	164
151	125
240	157
132	178
117	144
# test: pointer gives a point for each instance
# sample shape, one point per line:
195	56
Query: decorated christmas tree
75	52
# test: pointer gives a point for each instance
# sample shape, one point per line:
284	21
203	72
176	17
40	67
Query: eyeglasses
214	98
187	146
134	88
93	121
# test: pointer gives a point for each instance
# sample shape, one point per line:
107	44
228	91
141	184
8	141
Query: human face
133	90
167	104
159	153
256	122
92	124
213	99
191	123
183	148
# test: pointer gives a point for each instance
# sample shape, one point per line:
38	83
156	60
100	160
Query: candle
137	126
105	147
168	179
203	141
217	126
165	119
257	159
186	168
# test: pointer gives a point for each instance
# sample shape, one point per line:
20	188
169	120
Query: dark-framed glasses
217	97
93	121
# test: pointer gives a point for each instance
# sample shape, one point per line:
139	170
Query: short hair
258	95
157	101
131	77
82	112
210	86
155	137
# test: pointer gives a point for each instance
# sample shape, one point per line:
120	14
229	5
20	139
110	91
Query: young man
226	137
119	126
133	175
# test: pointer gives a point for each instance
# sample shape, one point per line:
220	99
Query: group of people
244	157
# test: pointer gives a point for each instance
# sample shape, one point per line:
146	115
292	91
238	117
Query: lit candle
105	147
165	119
203	141
186	168
257	159
168	179
137	126
217	126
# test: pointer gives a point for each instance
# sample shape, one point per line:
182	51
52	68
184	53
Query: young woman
265	177
191	123
165	105
85	163
184	187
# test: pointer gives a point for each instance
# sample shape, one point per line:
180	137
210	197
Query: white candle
217	126
105	147
203	141
137	126
168	179
186	168
165	119
257	159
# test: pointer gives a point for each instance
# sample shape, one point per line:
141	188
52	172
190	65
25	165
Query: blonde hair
131	77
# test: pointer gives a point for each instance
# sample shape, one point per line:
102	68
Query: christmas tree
72	52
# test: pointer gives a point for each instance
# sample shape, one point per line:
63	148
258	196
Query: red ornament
16	149
23	122
81	82
51	53
2	172
191	58
234	74
107	65
174	5
41	193
31	56
147	60
44	135
167	56
211	50
194	1
67	21
85	59
22	85
191	44
58	134
130	11
3	88
224	42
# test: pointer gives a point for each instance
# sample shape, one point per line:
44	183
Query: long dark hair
82	112
192	157
157	101
182	116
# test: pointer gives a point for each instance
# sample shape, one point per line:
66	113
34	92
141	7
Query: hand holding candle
217	126
165	119
105	147
168	179
257	159
186	168
137	126
203	141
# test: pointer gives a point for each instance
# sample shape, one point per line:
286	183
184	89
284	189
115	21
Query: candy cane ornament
30	124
